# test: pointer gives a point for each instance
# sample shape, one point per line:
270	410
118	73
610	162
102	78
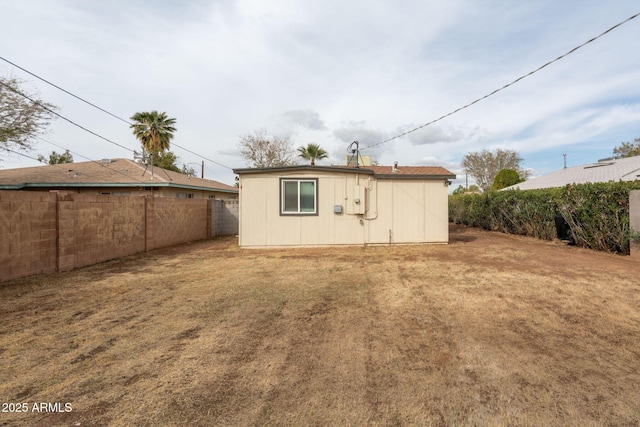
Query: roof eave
300	168
363	170
414	176
110	185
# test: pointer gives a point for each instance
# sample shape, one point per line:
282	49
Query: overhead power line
102	109
65	91
66	165
62	117
20	154
507	85
99	163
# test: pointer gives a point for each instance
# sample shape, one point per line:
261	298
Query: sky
332	72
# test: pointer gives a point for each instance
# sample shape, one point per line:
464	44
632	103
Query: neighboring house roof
401	172
111	173
626	169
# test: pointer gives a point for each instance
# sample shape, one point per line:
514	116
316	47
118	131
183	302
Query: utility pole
202	176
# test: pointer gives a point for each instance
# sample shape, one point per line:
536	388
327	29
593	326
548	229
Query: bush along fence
597	214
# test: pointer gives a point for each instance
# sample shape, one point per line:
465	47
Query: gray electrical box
337	209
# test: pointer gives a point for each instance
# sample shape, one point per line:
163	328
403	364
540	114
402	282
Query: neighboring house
121	177
329	205
626	169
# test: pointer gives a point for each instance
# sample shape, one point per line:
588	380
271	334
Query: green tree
627	149
312	152
264	151
166	160
459	190
22	115
506	178
56	159
154	131
462	190
485	165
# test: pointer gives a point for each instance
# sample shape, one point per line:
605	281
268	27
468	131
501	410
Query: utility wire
505	86
66	165
21	154
65	91
99	163
62	117
201	156
103	110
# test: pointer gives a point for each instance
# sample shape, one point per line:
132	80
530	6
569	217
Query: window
184	195
298	196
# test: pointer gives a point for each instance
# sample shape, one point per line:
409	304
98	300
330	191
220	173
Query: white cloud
361	70
309	119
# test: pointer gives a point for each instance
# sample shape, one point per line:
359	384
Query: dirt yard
489	330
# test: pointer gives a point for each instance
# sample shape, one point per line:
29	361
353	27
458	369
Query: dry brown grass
488	330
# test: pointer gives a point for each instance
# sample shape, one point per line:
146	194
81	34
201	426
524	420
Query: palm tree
154	130
312	152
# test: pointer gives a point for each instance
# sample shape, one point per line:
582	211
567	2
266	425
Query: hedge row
598	214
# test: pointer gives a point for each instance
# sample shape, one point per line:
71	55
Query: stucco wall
166	192
393	211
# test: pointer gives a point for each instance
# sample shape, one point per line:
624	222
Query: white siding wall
414	210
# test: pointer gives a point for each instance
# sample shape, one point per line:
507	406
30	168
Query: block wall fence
46	232
634	223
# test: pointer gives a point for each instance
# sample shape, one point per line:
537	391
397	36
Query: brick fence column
149	222
57	232
634	222
209	218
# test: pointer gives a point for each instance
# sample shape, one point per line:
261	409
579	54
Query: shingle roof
627	169
411	170
115	172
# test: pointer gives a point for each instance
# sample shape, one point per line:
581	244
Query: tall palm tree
312	152
154	130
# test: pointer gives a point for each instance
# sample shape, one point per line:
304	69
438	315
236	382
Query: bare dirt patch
489	330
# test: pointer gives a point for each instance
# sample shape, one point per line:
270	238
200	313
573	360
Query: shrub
506	178
598	214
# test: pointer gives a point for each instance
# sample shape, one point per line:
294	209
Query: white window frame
298	181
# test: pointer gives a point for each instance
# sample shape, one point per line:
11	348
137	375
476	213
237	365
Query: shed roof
107	173
401	172
626	169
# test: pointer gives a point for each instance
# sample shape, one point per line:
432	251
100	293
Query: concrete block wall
42	232
230	217
173	221
28	235
634	221
224	217
94	228
216	217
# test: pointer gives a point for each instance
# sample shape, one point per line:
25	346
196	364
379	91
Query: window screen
298	196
